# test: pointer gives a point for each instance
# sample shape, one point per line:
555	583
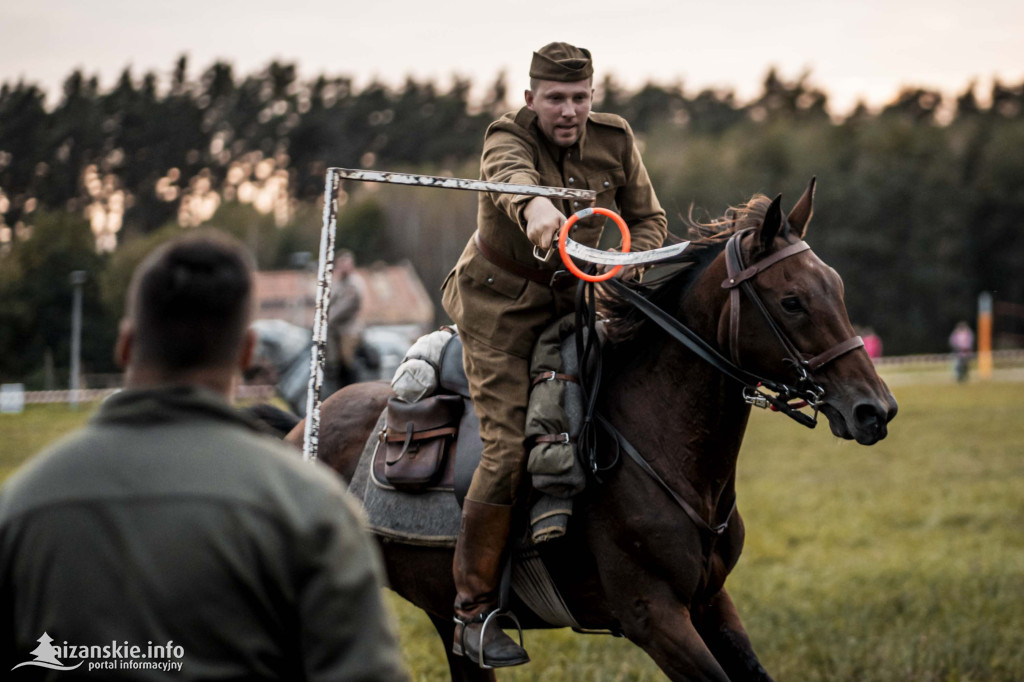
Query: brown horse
642	556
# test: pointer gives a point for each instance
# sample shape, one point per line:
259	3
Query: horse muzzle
866	422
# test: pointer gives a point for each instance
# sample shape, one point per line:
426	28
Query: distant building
395	311
392	296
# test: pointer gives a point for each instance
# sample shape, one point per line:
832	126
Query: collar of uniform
166	404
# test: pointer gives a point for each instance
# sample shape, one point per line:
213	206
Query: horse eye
792	304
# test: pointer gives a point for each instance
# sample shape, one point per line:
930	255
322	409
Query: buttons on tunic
606	183
490	280
572	181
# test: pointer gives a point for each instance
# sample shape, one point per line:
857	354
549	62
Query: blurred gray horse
284	348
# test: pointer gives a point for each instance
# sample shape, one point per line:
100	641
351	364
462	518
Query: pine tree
45	652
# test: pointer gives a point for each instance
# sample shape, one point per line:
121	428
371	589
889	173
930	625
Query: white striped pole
414	180
325	272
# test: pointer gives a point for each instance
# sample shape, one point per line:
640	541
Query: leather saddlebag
419	438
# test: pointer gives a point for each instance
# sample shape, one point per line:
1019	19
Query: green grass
22	435
902	561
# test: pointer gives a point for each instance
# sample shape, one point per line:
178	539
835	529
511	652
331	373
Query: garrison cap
561	62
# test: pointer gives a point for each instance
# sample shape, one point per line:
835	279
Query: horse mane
707	239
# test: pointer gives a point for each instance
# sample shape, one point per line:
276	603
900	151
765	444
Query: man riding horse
502	297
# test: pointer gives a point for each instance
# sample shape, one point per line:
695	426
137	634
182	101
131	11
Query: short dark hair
190	302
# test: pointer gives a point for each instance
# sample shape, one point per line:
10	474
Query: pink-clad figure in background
872	343
961	341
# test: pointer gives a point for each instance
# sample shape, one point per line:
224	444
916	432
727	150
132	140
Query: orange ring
585	213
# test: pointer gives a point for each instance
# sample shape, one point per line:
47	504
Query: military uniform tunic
501	314
169	518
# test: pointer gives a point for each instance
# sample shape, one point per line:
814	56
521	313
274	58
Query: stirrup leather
486	618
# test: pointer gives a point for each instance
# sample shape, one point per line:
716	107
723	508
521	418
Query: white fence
14	396
86	395
933	358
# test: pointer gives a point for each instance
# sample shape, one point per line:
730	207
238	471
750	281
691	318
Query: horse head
787	320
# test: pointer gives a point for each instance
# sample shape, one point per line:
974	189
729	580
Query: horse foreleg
720	626
461	668
662	628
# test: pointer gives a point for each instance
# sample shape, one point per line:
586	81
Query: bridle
805	390
739	279
784	397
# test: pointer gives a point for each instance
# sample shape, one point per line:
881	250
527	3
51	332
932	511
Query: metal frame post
77	280
325	273
326	266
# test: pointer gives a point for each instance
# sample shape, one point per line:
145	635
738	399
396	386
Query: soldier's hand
543	221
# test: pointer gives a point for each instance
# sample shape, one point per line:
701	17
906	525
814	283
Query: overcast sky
855	50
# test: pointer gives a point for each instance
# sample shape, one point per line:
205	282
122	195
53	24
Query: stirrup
486	620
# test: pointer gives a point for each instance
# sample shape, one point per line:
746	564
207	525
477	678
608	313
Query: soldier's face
562	109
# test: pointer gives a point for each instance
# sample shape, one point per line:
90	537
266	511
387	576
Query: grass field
901	561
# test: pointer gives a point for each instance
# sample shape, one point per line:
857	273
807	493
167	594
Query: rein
739	279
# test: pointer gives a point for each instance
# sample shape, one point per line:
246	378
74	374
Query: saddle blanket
429	518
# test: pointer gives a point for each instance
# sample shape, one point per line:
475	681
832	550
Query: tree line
918	206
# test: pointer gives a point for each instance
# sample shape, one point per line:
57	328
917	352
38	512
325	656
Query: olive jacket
506	310
170	518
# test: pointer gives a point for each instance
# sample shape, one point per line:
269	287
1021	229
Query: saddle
423	451
431	442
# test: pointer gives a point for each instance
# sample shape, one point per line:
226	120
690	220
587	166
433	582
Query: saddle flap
430	414
460	458
419	440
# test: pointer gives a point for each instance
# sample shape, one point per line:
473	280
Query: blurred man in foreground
169	527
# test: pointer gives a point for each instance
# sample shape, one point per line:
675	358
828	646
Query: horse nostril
868	415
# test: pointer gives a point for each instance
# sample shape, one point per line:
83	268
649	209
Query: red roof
392	295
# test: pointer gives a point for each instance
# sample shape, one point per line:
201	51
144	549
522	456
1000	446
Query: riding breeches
499	384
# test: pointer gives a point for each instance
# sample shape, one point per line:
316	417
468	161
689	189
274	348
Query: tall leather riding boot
477	568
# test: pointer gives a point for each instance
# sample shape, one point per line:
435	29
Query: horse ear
772	223
804	209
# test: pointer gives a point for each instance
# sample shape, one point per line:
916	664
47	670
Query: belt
545	276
